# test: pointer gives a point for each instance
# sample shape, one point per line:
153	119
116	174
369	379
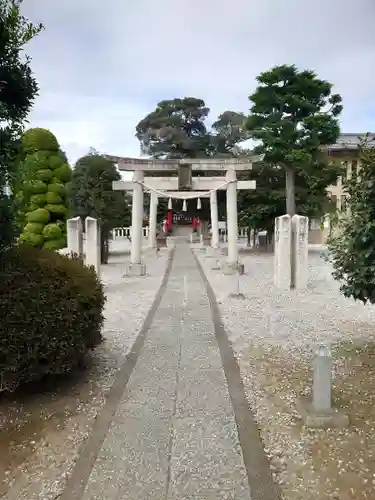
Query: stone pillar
300	226
214	220
92	247
283	239
152	220
136	268
75	236
137	218
232	225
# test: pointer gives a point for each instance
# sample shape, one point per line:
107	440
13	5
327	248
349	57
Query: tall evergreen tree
91	194
294	115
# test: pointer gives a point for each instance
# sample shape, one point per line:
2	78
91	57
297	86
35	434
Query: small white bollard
92	250
322	379
240	272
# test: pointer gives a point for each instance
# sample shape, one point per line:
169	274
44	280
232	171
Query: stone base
323	419
229	268
136	270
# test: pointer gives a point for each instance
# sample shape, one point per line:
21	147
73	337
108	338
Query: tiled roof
351	141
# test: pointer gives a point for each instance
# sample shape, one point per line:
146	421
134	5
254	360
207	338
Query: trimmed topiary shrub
51	310
44	177
39	139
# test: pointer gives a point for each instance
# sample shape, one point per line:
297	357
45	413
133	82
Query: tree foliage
175	129
228	132
293	116
352	246
18	89
260	207
91	195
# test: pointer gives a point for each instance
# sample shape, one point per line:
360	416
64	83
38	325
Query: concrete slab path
177	425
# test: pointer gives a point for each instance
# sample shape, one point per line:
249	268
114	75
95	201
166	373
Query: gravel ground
274	336
41	433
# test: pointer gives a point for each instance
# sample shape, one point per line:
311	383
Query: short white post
92	250
232	218
137	218
75	236
300	225
322	379
214	220
283	235
152	220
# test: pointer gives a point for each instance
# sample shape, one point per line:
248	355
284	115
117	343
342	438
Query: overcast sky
103	65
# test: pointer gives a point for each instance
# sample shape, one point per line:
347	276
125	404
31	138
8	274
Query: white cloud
103	65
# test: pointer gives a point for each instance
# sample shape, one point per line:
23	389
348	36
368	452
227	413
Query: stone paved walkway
173	434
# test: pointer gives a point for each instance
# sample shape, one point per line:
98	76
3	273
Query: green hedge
51	310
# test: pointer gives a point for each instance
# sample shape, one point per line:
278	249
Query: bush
51	310
52	232
39	215
39	139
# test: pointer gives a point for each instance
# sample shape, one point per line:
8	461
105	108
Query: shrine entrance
188	189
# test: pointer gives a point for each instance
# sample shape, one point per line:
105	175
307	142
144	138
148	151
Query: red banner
169	219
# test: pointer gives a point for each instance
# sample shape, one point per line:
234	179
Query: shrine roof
350	141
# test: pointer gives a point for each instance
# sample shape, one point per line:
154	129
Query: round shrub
35	187
44	174
34	227
36	139
51	310
55	180
34	239
53	198
55	162
63	173
56	188
39	200
52	232
56	209
40	215
55	244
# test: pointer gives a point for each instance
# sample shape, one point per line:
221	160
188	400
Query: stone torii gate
184	187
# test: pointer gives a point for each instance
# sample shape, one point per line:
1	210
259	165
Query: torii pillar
136	267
